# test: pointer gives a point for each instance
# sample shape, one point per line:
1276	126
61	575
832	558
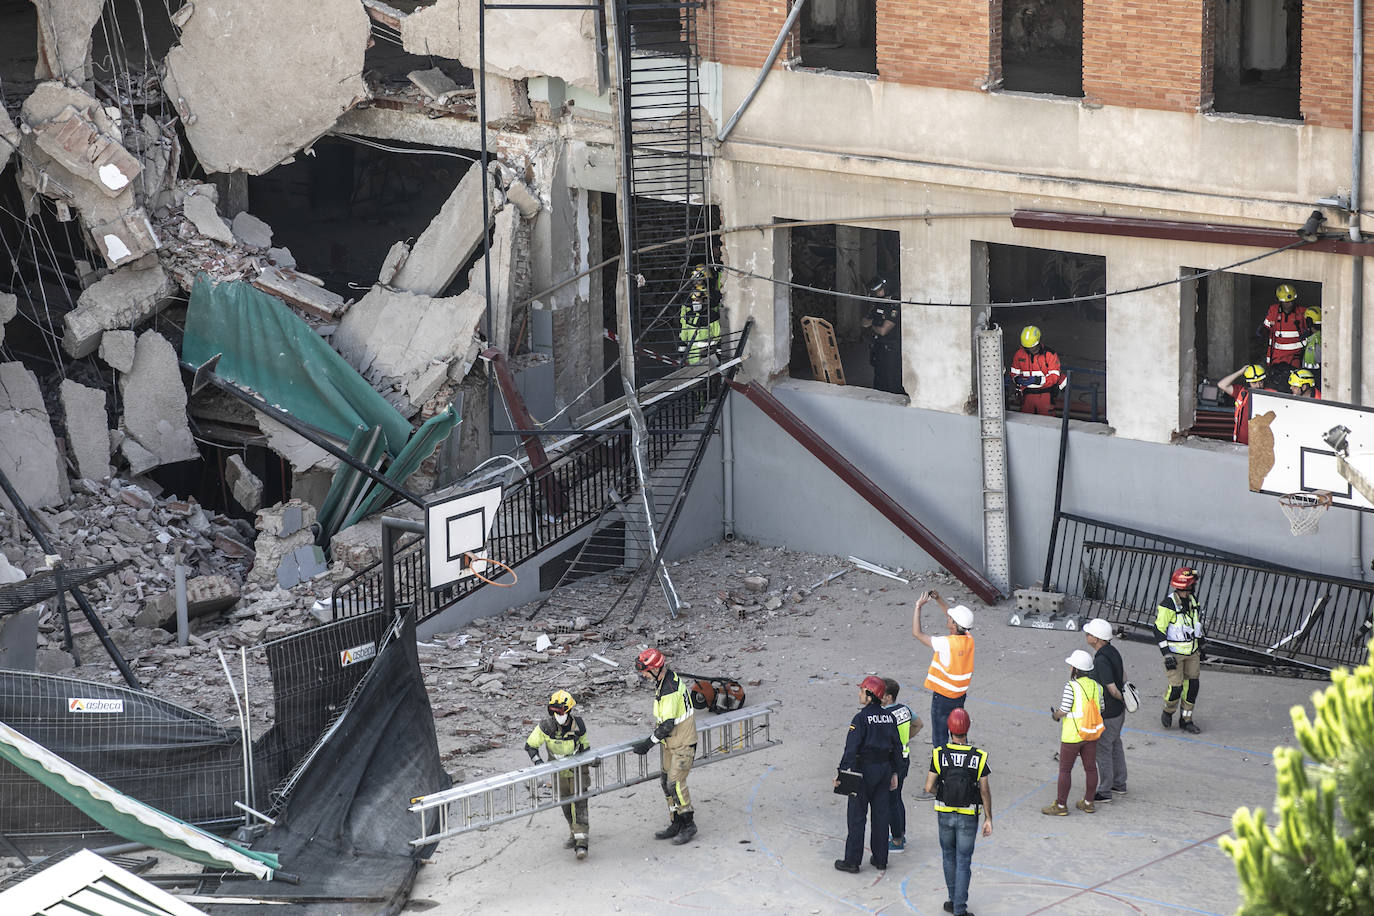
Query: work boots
687	831
1166	719
580	846
1186	724
672	830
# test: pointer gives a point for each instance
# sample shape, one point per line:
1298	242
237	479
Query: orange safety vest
952	680
1242	430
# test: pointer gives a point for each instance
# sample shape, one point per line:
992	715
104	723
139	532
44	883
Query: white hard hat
1080	659
962	616
1099	628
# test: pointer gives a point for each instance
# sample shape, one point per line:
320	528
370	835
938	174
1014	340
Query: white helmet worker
1080	659
1098	628
961	616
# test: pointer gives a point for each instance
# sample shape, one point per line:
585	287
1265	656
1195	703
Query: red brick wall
1326	49
740	32
955	44
1148	54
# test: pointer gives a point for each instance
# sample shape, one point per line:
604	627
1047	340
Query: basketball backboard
458	526
1296	446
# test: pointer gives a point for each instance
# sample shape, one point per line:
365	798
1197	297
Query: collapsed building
411	249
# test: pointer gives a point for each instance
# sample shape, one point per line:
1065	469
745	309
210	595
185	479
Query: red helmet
874	685
649	658
958	721
1183	579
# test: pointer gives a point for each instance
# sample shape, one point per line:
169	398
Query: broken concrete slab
72	139
121	299
88	429
9	307
301	290
434	83
405	343
155	401
519	193
205	595
28	449
9	139
301	565
449	240
252	231
245	104
299	452
200	210
507	99
519	43
117	349
64	39
394	259
244	485
504	268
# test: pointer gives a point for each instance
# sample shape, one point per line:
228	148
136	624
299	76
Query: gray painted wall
930	462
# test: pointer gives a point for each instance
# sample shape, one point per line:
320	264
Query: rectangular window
1042	46
840	35
1257	56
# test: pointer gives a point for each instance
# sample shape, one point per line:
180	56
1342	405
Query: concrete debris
201	211
64	39
524	199
507	100
9	307
88	429
121	299
117	349
504	267
519	43
9	139
435	83
301	565
384	13
756	584
139	459
305	292
405	345
72	152
280	257
244	104
282	530
28	450
299	452
205	595
251	231
244	485
449	240
155	401
394	259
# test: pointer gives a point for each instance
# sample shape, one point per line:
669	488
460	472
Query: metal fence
1261	612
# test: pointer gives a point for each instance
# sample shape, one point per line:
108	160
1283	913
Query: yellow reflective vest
1084	688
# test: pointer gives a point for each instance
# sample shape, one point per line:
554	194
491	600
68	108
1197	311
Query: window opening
1042	46
1076	332
840	35
851	260
1257	58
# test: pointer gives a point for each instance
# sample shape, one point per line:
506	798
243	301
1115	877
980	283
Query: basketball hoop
1304	510
470	562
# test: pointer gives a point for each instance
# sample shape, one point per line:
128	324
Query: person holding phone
951	666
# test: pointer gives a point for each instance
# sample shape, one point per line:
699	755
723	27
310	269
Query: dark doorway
1230	313
840	35
1258	58
1042	46
1076	331
847	260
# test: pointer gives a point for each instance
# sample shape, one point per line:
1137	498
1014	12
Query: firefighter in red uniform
1287	328
1254	378
1035	372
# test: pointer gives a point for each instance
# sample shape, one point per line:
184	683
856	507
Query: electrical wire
397	149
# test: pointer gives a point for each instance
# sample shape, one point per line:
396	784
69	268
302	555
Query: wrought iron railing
1262	612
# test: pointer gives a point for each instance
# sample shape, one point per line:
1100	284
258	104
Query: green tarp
426	439
267	348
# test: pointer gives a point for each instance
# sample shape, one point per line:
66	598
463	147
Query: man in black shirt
1110	672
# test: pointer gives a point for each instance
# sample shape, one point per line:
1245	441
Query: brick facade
1326	50
956	44
740	33
1148	54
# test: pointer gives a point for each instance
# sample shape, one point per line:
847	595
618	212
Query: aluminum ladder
478	805
992	429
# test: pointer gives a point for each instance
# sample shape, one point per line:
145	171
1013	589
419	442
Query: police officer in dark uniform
884	320
874	750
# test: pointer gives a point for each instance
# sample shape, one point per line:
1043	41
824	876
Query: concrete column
853	266
937	345
1145	341
569	244
1228	323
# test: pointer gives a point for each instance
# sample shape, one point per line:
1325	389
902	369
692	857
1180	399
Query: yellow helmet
1255	372
1030	336
1314	315
561	702
1286	292
1302	378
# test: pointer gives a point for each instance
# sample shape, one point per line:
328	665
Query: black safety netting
344	827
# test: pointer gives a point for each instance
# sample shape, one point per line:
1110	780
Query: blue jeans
957	834
940	708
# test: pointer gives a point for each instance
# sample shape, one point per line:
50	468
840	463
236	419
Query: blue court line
1100	890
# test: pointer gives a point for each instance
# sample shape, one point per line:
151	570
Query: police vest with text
958	770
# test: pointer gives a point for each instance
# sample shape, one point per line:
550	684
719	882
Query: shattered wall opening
1076	331
1257	58
840	35
1042	46
340	210
848	259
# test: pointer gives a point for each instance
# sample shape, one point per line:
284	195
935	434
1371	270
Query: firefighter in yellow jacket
675	730
700	317
565	735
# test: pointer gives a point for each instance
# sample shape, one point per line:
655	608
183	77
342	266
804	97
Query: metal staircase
477	805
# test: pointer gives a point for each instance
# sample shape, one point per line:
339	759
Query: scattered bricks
756	584
243	484
1030	599
205	595
231	547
